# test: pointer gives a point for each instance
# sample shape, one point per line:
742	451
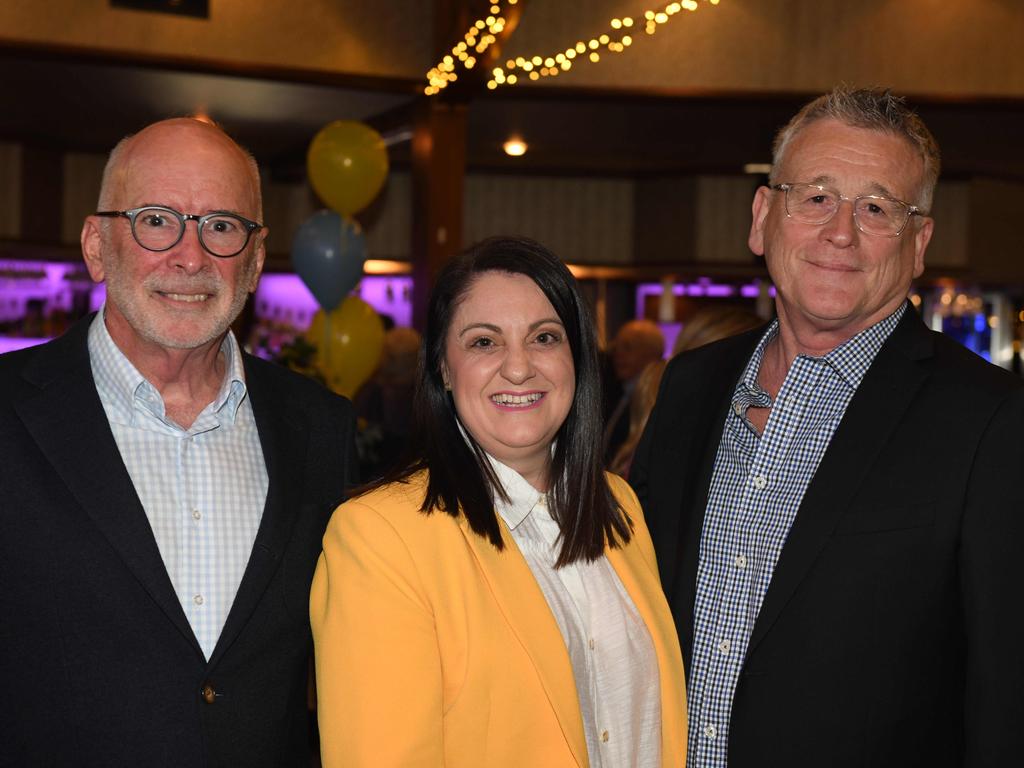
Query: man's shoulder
265	378
962	368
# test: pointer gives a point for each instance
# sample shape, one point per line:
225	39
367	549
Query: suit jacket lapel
281	425
886	391
68	423
704	435
523	603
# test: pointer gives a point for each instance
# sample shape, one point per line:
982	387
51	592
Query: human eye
223	225
153	219
548	338
481	342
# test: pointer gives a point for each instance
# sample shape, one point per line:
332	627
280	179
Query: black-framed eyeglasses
159	228
873	214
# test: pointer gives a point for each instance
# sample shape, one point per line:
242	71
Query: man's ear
260	255
92	251
759	210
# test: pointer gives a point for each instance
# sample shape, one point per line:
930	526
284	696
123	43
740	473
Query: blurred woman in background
496	602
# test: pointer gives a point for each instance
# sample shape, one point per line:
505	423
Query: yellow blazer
435	649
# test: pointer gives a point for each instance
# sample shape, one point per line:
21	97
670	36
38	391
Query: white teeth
188	296
503	398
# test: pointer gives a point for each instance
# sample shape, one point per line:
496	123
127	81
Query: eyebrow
497	328
877	189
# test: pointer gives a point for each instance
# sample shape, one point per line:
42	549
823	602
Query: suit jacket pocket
862	520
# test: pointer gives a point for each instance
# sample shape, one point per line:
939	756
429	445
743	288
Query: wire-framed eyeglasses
159	228
873	214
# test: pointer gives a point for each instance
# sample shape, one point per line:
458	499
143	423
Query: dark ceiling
70	103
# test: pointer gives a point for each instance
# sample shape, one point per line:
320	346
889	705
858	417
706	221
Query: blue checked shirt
756	489
203	488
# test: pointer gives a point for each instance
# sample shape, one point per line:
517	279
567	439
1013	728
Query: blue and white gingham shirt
756	490
203	488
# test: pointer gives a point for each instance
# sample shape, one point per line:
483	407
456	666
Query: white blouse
613	659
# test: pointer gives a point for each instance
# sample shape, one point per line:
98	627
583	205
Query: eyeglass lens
159	229
874	215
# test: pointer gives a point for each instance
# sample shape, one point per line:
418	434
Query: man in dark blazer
163	493
833	498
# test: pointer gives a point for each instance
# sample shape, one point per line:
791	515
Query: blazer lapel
68	423
886	391
280	422
704	435
640	580
525	608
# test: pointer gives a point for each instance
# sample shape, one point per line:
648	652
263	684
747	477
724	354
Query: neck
187	379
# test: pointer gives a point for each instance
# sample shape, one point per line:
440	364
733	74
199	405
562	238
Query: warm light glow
515	147
386	267
481	35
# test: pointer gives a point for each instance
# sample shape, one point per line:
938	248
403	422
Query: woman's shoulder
398	504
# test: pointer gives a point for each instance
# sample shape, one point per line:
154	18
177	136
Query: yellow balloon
347	164
349	343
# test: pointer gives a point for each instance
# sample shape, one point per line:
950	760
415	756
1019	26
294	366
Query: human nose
188	254
841	229
517	366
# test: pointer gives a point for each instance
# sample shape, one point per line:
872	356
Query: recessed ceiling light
514	147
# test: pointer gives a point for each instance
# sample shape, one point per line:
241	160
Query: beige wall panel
948	247
82	176
915	46
582	220
10	190
666	220
723	219
352	36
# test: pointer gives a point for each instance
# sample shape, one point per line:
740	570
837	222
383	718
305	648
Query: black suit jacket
98	662
891	633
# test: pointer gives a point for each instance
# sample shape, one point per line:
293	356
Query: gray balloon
328	254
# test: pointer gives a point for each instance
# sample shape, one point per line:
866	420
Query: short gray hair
876	109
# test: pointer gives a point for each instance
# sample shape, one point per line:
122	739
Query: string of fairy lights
483	33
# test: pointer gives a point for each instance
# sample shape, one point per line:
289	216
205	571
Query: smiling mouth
508	399
186	297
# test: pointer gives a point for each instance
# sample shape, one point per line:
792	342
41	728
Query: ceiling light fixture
515	147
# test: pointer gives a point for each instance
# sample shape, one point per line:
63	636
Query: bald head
637	343
166	139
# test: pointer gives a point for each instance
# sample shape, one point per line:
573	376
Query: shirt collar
121	385
522	497
850	360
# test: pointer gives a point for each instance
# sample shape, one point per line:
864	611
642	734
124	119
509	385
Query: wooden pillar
42	194
438	171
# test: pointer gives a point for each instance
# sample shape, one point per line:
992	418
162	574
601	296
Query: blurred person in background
637	343
641	402
384	403
495	602
713	322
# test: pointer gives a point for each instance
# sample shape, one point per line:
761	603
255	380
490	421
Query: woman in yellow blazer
496	602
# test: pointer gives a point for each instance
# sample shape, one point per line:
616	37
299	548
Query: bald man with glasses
164	493
833	498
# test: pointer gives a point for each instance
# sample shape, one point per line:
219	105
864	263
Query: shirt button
198	599
604	735
740	561
591	643
760	481
196	514
737	409
724	646
710	731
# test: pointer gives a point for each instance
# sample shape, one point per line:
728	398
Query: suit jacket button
209	695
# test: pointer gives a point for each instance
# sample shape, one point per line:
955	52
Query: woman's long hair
460	476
